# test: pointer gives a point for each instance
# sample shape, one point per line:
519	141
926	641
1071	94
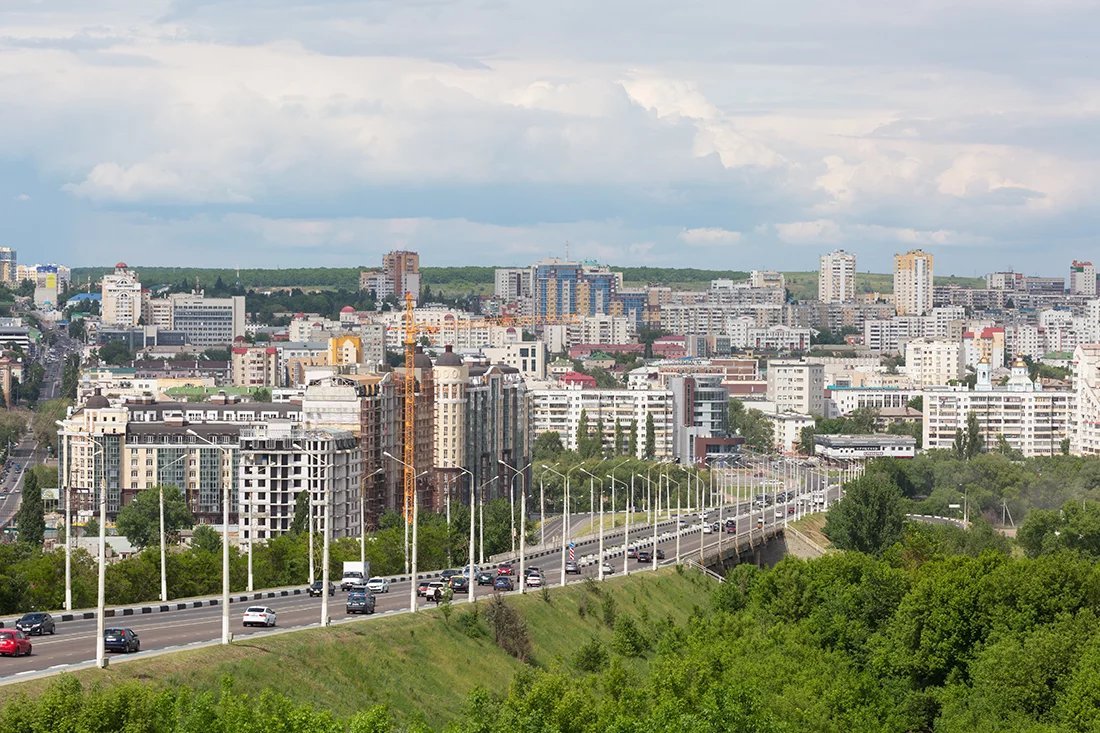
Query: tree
206	538
632	439
139	521
582	428
617	447
650	437
31	516
115	353
548	446
974	442
806	440
261	394
91	527
869	518
301	513
1064	445
752	425
916	403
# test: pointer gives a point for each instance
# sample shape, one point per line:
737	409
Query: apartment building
913	283
279	460
797	385
836	279
1032	420
560	409
934	362
121	297
1082	279
256	366
400	274
1085	436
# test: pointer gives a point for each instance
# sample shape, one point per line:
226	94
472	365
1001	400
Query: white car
378	585
259	616
707	529
534	580
779	513
607	568
466	571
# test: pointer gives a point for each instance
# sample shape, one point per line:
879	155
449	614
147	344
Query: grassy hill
423	666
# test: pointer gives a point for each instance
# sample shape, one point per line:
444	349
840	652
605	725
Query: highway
73	646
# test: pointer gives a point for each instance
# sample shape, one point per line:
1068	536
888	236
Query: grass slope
422	666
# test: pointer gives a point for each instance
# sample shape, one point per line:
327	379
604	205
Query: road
74	643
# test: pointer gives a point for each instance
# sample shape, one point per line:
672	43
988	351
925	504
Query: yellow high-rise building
913	283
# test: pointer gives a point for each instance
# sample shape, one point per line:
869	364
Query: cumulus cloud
709	236
294	124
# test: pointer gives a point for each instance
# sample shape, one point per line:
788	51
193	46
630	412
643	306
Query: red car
14	643
505	568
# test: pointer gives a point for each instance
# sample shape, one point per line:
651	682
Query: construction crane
410	406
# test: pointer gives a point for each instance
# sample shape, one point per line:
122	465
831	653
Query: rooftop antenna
567	250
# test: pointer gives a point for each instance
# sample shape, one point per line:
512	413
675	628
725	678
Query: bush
626	639
608	608
591	656
509	629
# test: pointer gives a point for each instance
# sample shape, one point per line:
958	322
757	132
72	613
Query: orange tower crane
410	406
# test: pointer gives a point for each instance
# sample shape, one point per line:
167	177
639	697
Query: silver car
378	585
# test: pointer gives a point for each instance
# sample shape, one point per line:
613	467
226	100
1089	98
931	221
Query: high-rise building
400	274
836	281
121	297
205	321
935	362
1082	278
573	288
913	283
256	366
7	265
512	283
796	385
767	279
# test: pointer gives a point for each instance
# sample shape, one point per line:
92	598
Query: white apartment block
889	335
1082	278
933	362
767	279
1032	421
121	297
787	428
797	386
512	283
1026	339
836	280
560	410
529	357
256	366
280	459
843	400
1085	437
913	283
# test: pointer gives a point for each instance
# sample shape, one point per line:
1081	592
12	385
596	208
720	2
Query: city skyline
190	133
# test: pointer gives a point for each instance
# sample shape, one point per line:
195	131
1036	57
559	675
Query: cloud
22	197
819	231
709	236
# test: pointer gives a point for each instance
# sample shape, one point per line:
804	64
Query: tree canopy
139	521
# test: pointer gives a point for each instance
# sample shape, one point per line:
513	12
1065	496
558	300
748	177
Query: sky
711	134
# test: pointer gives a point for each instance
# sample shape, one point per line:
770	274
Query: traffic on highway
697	535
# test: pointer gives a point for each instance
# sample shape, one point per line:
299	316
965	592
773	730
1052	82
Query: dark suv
121	640
37	623
360	602
317	588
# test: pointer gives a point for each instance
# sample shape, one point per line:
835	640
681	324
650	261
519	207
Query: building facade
797	385
121	297
836	280
913	283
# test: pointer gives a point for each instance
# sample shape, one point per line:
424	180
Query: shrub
509	629
608	608
591	656
626	639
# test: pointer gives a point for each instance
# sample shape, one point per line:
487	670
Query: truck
355	573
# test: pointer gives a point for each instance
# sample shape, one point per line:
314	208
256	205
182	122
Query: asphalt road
74	642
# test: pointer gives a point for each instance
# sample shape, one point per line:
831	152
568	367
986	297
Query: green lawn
421	666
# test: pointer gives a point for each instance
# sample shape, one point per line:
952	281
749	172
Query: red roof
347	309
121	265
586	380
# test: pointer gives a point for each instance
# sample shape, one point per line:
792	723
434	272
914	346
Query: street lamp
522	520
591	495
512	504
100	650
163	561
226	635
68	528
565	515
481	519
328	468
363	520
626	531
470	556
415	517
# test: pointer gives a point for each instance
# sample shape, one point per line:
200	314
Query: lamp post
470	556
523	519
363	520
678	516
626	536
327	467
226	635
481	519
68	526
163	560
512	504
100	650
592	478
415	517
601	532
565	516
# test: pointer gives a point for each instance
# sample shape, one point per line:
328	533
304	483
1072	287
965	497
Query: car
534	581
645	556
459	584
731	526
779	513
571	567
660	554
683	523
449	573
14	643
760	521
37	623
258	616
790	510
359	602
708	529
432	587
121	640
607	568
378	585
485	578
631	552
505	568
358	588
533	570
422	587
503	582
466	571
317	587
